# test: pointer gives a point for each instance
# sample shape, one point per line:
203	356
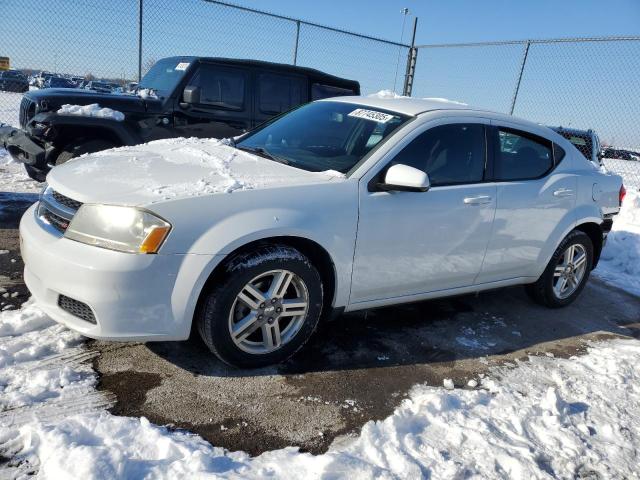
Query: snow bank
620	261
93	110
13	177
545	418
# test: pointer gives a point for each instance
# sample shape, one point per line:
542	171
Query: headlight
125	229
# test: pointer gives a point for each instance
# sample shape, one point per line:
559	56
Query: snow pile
620	261
547	417
390	94
93	110
147	93
13	177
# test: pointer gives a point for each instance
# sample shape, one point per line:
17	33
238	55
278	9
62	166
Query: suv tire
75	149
566	274
252	309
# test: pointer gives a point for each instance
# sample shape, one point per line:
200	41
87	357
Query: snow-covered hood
169	169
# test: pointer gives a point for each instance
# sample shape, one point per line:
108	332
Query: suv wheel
264	309
75	149
567	272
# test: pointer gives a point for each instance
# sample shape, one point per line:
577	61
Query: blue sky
590	85
454	21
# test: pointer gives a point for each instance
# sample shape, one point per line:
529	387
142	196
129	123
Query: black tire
542	290
212	318
80	147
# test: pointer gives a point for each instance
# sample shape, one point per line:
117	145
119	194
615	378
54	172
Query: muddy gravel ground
355	369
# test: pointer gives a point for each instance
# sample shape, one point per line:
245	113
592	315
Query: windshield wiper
263	152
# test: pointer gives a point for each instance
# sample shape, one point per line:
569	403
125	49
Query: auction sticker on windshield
182	66
371	115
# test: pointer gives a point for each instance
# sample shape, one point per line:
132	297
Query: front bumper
22	147
133	297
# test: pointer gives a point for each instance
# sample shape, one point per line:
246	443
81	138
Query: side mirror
405	178
191	95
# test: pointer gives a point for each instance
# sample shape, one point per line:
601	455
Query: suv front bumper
22	147
133	297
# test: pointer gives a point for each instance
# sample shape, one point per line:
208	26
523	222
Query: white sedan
340	205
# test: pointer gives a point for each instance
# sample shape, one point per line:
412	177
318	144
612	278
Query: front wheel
264	309
81	147
567	272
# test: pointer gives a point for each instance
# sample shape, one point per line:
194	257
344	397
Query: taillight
622	194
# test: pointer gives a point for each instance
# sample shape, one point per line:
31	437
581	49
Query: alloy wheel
569	271
268	312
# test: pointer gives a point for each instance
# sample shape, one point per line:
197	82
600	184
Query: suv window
319	91
220	87
522	156
449	154
279	93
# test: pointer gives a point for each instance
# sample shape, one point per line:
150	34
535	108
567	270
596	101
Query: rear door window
521	156
220	87
279	93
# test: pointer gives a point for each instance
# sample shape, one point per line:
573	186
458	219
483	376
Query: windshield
324	135
165	75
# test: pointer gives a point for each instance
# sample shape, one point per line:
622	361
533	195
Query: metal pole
140	3
411	62
295	49
522	64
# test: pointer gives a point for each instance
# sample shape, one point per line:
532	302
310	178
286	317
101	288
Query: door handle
479	200
563	192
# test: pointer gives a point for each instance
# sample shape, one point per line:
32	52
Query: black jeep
178	97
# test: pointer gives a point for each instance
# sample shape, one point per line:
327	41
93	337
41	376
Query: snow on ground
543	418
93	110
13	177
629	170
620	261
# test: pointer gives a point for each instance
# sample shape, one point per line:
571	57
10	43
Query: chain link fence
574	83
582	84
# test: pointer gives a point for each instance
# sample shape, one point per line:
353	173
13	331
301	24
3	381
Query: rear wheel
264	309
80	147
567	272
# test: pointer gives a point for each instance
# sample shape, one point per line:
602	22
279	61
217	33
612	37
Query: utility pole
411	62
404	12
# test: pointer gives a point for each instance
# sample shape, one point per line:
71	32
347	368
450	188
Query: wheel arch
594	232
317	254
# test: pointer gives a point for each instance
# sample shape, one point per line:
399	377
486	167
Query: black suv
178	97
586	141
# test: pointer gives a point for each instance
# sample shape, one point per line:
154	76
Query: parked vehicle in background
59	82
586	141
341	204
131	87
13	81
620	154
98	86
179	97
41	78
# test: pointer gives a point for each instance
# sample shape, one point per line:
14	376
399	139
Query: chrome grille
56	209
27	111
66	201
76	308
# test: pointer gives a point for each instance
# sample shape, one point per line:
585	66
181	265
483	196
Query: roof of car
406	105
311	72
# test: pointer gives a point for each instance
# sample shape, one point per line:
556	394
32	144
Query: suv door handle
563	192
479	200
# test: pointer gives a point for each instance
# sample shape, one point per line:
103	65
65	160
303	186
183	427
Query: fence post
522	64
295	48
411	62
140	4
